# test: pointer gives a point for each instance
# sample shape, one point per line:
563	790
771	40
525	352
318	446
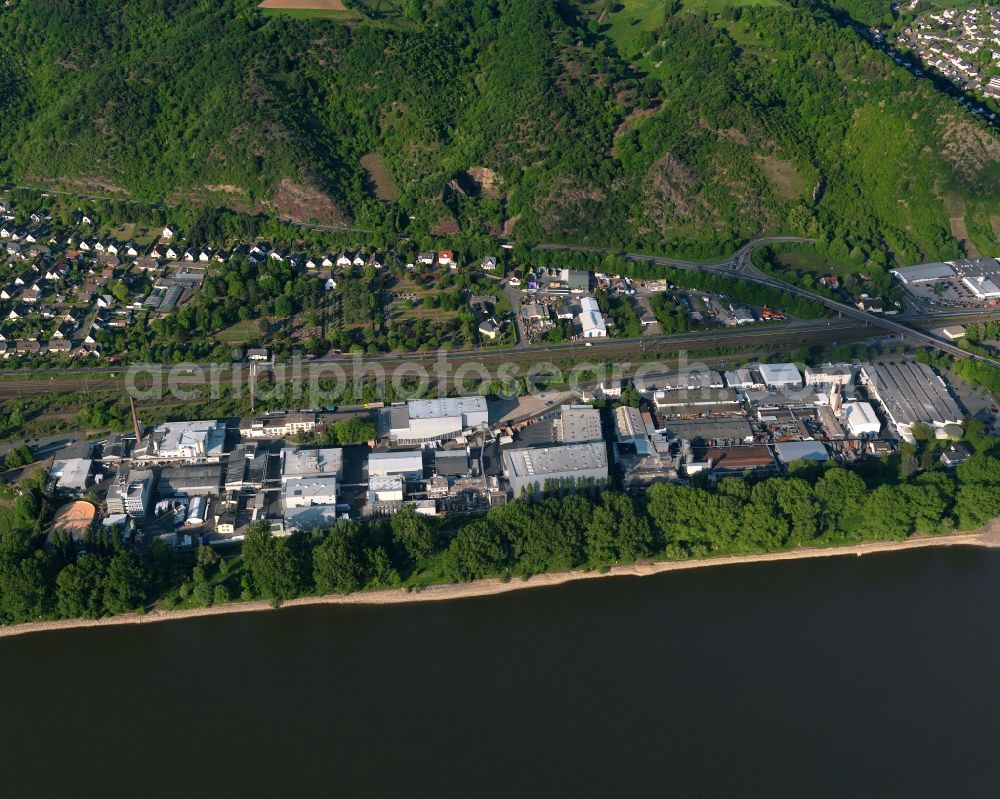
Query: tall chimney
135	421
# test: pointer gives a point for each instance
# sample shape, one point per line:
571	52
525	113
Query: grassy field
398	307
629	19
785	180
240	333
807	260
385	188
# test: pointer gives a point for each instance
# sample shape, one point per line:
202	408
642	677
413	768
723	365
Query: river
873	676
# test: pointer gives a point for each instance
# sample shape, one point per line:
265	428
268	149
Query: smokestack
135	421
835	398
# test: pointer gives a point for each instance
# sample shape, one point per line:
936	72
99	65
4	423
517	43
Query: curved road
739	265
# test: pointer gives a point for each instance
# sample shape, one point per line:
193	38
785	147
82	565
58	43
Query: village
960	44
196	482
72	294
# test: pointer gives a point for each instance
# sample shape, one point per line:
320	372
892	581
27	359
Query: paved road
739	265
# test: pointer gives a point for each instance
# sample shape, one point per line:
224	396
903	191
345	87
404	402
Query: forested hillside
659	126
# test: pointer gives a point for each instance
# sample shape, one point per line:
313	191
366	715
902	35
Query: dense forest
906	494
547	121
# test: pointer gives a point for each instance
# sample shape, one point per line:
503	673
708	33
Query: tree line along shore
899	499
987	536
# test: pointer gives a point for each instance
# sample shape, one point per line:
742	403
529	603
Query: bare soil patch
303	203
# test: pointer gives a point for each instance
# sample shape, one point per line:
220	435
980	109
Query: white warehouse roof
780	374
448	406
861	418
382	464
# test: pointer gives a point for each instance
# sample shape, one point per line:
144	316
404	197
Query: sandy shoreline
988	536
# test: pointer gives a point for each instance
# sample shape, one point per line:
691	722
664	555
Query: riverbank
987	536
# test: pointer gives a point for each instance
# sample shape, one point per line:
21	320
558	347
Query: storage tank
196	511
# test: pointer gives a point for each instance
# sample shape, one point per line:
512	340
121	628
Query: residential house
488	328
32	294
446	257
490	263
9	291
167	233
870	304
344	259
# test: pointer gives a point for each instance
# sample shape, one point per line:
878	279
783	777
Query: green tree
412	533
337	565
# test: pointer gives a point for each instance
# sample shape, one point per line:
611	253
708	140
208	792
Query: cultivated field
305	5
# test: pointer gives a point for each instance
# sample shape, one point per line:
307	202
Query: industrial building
578	424
740	459
708	430
407	463
982	286
193	480
304	492
861	420
278	425
910	393
682	402
591	321
691	379
743	379
832	374
421	421
131	493
303	463
788	451
643	455
73	474
531	469
199	441
451	463
780	375
924	273
386	489
246	468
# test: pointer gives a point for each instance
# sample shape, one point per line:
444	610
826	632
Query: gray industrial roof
579	423
911	393
555	460
788	451
924	272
